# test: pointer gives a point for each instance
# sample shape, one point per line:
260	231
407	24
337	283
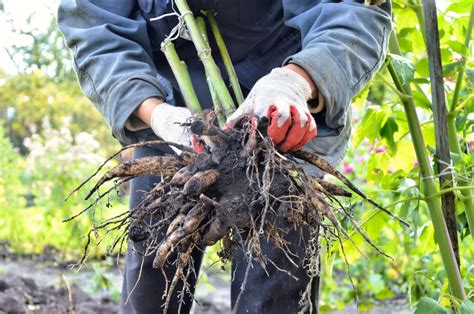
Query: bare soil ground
20	294
31	286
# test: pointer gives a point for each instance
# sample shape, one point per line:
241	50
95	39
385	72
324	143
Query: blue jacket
117	55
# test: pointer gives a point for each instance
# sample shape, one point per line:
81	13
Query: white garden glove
282	97
167	123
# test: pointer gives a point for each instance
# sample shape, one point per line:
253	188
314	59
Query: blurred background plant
51	138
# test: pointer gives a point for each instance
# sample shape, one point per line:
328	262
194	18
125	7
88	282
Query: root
200	182
326	167
240	186
329	188
142	144
190	224
157	165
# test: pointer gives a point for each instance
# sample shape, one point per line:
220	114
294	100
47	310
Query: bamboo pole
440	120
204	54
234	81
215	99
181	74
428	180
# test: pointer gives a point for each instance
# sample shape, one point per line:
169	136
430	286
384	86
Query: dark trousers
267	290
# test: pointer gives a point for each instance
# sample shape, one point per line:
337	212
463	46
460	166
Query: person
298	62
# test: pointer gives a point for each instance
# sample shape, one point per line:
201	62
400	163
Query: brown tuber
200	182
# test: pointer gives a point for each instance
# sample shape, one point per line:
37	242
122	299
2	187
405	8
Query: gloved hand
167	122
282	97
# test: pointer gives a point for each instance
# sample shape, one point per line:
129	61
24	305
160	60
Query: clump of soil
22	295
239	184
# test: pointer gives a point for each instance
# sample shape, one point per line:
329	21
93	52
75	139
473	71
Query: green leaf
405	18
429	306
460	7
404	67
467	307
426	242
406	44
361	97
451	68
456	46
470	74
373	120
421	99
389	128
422	67
446	55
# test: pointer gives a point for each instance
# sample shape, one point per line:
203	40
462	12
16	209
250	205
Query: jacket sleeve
112	57
343	44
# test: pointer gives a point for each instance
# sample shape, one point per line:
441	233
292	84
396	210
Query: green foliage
33	189
35	97
382	162
403	66
427	305
102	281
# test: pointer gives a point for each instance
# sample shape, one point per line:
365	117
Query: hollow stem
215	99
234	81
428	181
181	74
204	53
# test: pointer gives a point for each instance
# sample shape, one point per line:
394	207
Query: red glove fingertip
309	135
277	134
197	145
295	133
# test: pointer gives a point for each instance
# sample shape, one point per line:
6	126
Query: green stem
461	106
454	144
405	200
181	74
457	88
455	147
234	81
215	99
418	9
421	124
204	53
429	183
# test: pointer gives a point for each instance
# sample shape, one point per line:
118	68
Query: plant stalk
457	87
428	181
455	146
215	99
454	143
440	120
462	181
181	74
234	81
417	7
204	53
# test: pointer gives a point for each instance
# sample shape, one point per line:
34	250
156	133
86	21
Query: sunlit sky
18	11
40	12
